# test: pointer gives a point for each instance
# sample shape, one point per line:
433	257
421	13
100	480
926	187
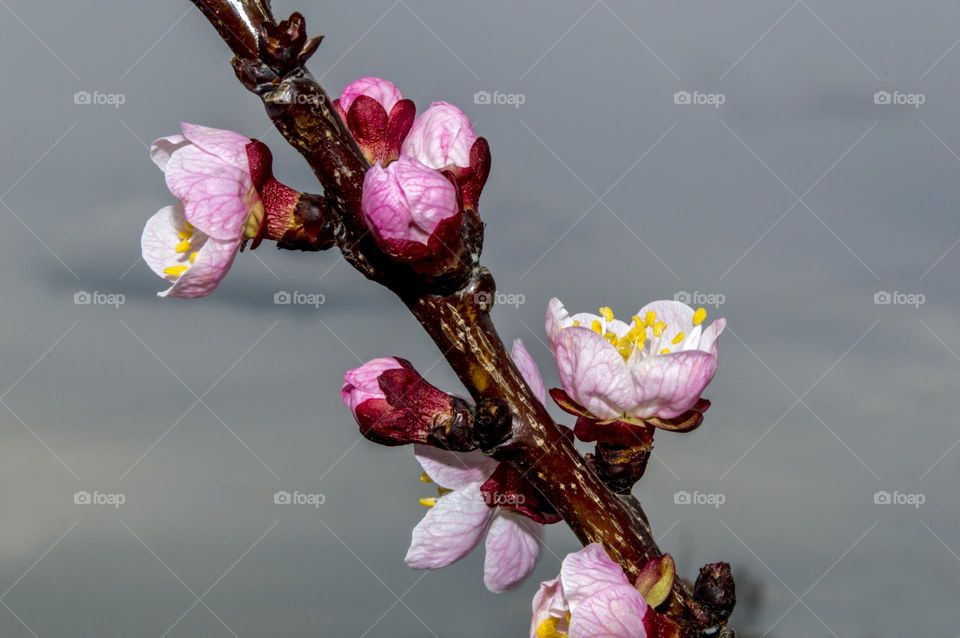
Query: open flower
413	213
378	117
477	498
227	194
592	597
651	370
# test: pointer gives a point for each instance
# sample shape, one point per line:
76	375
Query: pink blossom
411	209
363	384
383	91
441	137
377	116
654	367
592	597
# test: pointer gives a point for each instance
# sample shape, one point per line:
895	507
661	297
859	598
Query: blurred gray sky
797	200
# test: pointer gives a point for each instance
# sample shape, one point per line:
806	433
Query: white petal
513	546
450	530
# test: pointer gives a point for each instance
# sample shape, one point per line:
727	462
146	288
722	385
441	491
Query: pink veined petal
512	549
450	530
548	601
593	373
215	194
441	136
159	238
616	612
669	385
214	261
528	368
677	315
588	571
163	148
557	319
361	384
383	91
228	146
708	341
454	470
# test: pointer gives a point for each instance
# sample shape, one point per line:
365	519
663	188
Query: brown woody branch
454	310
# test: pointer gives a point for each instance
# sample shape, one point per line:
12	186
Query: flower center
641	328
549	628
185	249
431	501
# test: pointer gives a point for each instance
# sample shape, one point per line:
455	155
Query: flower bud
377	116
413	213
394	405
442	138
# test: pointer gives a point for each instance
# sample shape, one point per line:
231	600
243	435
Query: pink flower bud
413	213
377	116
383	91
441	137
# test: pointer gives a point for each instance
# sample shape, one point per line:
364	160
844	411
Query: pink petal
669	385
226	145
407	201
361	384
203	277
453	470
441	136
215	194
159	239
588	571
593	373
708	342
557	319
528	368
512	549
450	530
677	315
548	601
163	148
616	612
383	91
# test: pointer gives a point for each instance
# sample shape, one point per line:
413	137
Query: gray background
797	200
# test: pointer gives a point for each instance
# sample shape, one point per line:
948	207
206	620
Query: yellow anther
428	502
576	324
658	328
607	313
679	338
442	491
665	351
548	629
182	247
185	234
650	319
699	316
425	478
193	257
596	326
175	271
612	338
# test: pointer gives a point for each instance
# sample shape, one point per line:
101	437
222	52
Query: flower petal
441	136
228	146
512	549
453	470
163	148
363	383
588	571
708	342
215	194
528	368
669	385
616	612
547	602
383	91
213	261
593	373
450	529
160	237
677	315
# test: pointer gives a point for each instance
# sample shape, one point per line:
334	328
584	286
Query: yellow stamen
596	326
576	324
548	629
443	491
679	338
651	318
606	313
193	257
175	271
428	502
665	351
699	316
185	234
658	328
425	478
182	247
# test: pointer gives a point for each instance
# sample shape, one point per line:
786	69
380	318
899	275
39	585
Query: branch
454	308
